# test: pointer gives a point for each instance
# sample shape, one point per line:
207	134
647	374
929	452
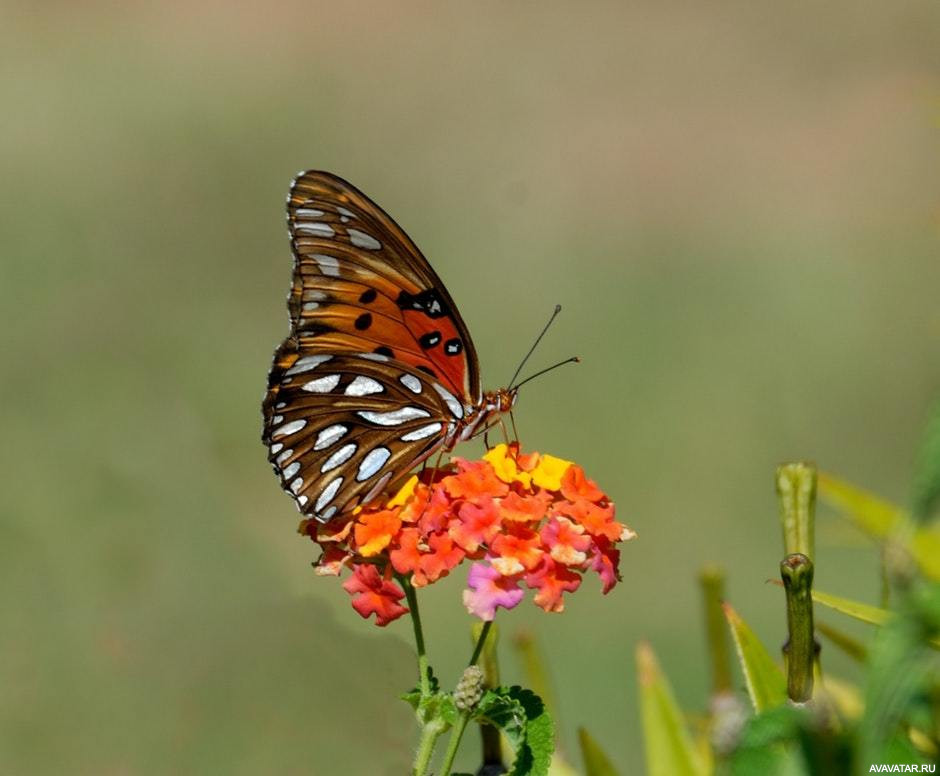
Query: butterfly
379	371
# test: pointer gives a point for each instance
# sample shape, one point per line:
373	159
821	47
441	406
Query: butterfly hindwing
344	426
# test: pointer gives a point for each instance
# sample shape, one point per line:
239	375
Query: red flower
374	595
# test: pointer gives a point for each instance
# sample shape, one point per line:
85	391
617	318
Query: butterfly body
379	371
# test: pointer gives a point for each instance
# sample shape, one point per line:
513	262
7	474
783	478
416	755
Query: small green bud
469	688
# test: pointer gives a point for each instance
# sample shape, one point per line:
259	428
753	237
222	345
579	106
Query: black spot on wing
382	350
368	296
429	340
427	302
363	322
453	347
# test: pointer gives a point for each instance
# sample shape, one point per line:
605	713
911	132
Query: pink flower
489	589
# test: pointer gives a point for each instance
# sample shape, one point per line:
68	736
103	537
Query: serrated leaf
766	684
926	496
596	761
439	704
669	747
522	717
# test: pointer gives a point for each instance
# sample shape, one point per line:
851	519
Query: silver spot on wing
307	363
410	382
449	399
421	433
377	488
289	428
372	356
322	384
374	461
328	494
316	228
329	265
283	457
296	485
308	212
339	457
363	240
329	435
395	417
291	470
363	386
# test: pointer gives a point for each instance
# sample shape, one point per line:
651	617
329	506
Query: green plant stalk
432	729
424	680
460	725
712	580
796	492
796	570
491	742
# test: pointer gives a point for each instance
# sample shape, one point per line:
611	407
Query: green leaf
766	684
883	520
848	644
596	762
856	609
926	495
669	748
439	704
522	717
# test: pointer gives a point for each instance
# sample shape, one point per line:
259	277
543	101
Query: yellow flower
549	471
506	467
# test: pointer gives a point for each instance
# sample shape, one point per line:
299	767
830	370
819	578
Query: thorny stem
457	732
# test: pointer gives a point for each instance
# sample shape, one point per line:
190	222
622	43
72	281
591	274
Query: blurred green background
737	204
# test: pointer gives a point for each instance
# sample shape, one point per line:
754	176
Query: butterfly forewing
379	368
361	285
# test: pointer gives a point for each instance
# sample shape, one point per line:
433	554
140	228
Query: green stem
796	490
424	679
456	732
797	573
429	735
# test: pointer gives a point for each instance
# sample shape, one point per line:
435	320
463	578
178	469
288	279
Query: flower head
526	521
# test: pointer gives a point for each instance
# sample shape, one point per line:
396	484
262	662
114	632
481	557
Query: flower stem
424	680
456	732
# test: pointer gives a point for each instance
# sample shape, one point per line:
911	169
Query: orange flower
566	541
375	530
517	551
529	518
477	524
575	486
473	479
552	579
526	508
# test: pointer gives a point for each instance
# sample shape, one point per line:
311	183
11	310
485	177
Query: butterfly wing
379	366
361	285
345	426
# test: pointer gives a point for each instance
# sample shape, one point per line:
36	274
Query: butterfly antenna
572	360
535	345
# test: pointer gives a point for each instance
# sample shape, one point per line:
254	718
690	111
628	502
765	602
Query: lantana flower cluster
524	521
